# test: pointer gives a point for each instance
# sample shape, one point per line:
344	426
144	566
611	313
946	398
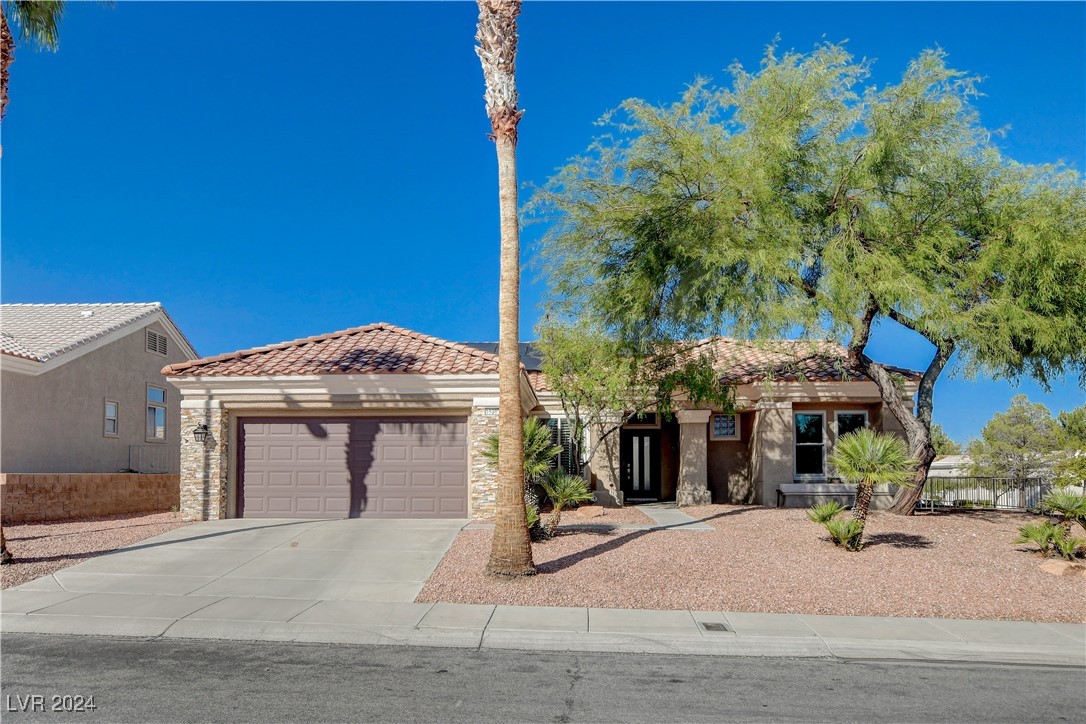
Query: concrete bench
813	490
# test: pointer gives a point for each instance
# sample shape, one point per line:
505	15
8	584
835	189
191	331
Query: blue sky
277	170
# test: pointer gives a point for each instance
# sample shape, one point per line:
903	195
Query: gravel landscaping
944	565
606	516
44	548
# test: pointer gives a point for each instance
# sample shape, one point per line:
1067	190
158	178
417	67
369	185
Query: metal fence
154	458
991	493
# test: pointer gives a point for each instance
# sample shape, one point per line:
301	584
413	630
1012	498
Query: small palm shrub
539	453
846	532
563	490
1043	535
824	512
1067	504
1067	545
866	458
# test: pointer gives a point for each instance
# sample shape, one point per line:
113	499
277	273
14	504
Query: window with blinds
562	435
156	342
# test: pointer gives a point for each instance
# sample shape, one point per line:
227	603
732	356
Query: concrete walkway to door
337	560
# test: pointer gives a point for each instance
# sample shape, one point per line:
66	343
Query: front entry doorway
640	460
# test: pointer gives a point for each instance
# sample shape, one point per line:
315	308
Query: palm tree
868	458
38	22
563	490
539	450
511	548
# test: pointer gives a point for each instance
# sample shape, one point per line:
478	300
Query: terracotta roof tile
743	362
373	349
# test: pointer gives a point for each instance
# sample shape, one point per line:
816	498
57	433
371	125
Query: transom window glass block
725	425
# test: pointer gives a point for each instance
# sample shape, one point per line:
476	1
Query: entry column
693	488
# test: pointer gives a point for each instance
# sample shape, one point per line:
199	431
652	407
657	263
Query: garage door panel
360	467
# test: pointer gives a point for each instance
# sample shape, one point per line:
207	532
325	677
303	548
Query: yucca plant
846	532
563	490
824	512
1043	535
867	458
1067	504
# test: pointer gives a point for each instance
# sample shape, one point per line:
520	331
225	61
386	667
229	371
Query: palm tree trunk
511	546
7	55
864	491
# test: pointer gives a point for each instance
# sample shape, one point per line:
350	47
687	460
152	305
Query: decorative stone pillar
204	465
483	476
693	488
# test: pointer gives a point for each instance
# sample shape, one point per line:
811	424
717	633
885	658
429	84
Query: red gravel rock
610	516
44	548
958	565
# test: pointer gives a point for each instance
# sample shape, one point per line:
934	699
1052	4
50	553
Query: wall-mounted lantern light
200	432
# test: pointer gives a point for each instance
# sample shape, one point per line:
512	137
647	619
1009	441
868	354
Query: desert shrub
563	490
825	511
1066	544
1043	535
963	503
845	532
1067	504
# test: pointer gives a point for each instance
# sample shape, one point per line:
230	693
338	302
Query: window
562	435
725	427
156	342
643	419
810	445
850	422
156	413
110	424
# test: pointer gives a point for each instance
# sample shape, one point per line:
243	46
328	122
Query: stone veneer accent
204	467
35	497
482	477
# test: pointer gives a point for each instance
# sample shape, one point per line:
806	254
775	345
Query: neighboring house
951	466
379	421
81	388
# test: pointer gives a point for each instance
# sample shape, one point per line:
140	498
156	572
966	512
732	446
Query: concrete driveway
337	560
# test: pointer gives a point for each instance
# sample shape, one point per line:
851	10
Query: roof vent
86	313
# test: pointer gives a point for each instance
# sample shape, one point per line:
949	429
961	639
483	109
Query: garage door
353	467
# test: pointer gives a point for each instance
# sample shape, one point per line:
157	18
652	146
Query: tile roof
743	362
41	332
373	349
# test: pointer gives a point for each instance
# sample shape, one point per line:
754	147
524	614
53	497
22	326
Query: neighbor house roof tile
44	331
373	349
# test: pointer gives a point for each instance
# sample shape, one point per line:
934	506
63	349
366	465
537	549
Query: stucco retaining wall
36	497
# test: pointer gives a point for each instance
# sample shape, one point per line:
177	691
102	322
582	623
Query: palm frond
872	458
38	21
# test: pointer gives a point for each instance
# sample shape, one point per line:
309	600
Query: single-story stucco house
82	388
380	421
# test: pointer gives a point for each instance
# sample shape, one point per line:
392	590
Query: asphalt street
178	681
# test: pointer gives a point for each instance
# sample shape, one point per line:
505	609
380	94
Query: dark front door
640	459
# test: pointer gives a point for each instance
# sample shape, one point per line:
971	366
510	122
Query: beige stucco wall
730	464
54	422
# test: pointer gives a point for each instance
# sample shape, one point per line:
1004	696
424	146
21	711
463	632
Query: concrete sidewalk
538	628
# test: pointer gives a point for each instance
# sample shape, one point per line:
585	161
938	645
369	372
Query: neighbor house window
725	427
810	445
156	342
156	413
110	424
850	422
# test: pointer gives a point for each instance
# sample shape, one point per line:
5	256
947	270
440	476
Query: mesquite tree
798	200
511	549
